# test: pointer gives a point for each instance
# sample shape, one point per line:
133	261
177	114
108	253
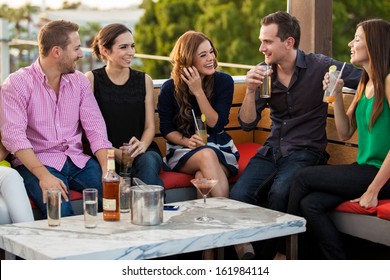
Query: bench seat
178	185
373	227
174	180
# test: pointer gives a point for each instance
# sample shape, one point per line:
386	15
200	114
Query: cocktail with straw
334	75
200	127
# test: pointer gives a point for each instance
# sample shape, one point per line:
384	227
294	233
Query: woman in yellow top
14	204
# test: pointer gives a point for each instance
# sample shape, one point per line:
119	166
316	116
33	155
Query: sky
101	4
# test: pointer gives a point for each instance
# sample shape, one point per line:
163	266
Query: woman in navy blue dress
197	86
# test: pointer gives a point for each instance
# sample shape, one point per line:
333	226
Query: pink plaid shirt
32	116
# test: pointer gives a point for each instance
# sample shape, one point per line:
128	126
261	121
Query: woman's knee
208	157
312	205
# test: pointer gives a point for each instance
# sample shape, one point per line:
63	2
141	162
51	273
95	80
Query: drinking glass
127	161
202	131
204	187
329	92
90	207
53	207
124	200
265	89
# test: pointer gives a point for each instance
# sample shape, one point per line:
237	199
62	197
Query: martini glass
204	187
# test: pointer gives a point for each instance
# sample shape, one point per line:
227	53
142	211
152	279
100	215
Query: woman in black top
125	98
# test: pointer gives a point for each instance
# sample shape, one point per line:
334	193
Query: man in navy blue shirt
298	136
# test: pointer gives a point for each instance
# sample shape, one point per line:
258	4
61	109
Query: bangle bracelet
39	166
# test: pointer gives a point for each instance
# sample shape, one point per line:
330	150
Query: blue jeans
268	177
317	190
147	167
73	177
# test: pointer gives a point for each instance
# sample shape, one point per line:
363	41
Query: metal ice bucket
147	202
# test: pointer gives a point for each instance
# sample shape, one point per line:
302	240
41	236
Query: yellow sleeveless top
5	163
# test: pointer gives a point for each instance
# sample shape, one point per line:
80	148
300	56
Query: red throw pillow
383	209
354	207
247	151
173	179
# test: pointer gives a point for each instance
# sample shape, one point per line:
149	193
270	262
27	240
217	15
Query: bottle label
111	164
109	204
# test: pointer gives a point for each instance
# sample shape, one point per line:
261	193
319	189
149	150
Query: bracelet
39	166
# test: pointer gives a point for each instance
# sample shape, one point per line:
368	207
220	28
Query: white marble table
235	222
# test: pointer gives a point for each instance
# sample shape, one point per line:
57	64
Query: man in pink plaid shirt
45	108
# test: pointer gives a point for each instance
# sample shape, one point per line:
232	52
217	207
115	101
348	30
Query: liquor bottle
111	190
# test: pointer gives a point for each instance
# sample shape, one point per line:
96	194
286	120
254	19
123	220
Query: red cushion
383	209
180	180
173	179
74	195
247	151
354	207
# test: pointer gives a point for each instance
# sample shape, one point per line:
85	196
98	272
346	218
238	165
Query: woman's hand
192	78
338	90
367	200
137	147
194	142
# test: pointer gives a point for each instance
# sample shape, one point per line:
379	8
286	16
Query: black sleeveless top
122	106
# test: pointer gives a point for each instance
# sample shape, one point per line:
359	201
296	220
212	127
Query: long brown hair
377	33
182	55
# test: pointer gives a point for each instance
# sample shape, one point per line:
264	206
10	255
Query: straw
196	124
338	77
341	71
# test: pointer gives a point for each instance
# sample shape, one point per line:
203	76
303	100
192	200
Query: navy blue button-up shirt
297	112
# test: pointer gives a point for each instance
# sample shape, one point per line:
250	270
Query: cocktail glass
204	187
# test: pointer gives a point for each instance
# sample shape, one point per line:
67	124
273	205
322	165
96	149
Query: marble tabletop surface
234	223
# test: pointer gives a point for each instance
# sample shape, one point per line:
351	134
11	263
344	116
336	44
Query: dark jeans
147	167
319	189
270	175
73	177
267	178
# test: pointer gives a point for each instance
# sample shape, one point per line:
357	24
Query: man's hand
254	78
50	181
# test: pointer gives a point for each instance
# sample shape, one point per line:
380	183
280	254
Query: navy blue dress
220	141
